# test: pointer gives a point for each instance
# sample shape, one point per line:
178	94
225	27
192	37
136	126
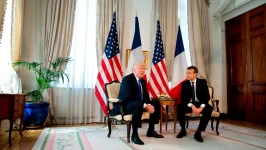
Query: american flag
110	69
158	82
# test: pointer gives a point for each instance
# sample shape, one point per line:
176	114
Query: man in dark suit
136	99
194	98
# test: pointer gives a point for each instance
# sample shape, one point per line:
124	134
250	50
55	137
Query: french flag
179	67
136	49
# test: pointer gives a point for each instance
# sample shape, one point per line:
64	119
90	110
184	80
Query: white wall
217	78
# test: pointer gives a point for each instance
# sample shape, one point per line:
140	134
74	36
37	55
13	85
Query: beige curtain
105	10
56	27
2	13
17	26
199	36
167	12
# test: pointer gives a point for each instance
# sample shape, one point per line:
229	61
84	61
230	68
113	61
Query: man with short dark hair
194	98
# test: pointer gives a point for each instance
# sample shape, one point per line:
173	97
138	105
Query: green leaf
45	76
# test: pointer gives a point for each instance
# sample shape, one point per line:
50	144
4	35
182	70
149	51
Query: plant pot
35	113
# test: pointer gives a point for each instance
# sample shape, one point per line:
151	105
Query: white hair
138	64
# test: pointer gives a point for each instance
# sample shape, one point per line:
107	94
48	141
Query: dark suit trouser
136	109
206	114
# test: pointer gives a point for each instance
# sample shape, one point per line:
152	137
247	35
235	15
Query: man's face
139	71
191	75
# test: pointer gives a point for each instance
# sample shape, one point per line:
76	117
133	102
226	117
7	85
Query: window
83	69
183	17
6	70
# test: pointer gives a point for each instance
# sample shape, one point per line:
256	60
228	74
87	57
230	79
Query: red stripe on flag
164	66
113	75
164	82
155	81
101	101
176	91
118	67
100	80
106	71
117	62
152	92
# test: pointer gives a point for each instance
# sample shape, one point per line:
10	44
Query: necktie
140	91
193	93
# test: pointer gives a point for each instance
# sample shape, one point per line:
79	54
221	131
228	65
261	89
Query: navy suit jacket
202	92
129	92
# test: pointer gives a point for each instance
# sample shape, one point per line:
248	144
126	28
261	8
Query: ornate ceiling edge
229	9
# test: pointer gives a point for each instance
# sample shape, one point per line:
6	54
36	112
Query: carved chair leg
128	131
109	127
105	119
217	125
187	121
212	123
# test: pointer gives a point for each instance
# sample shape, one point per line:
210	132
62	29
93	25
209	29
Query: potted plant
36	111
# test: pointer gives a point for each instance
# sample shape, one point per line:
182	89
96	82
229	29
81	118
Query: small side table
12	108
167	102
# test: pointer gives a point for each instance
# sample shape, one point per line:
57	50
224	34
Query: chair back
112	91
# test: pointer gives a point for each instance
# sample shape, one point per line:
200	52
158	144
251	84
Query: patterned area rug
95	137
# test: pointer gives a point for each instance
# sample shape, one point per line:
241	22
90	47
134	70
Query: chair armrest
215	100
113	100
116	100
119	102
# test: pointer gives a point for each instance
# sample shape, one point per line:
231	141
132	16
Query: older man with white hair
136	99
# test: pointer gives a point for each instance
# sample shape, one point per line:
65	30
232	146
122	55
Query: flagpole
114	7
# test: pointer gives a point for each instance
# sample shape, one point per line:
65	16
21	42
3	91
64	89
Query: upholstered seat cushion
145	115
117	117
192	115
214	114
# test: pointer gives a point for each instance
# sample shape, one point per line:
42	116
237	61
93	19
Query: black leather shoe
181	134
135	139
198	137
154	134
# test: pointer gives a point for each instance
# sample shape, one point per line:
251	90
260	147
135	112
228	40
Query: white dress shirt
144	105
196	99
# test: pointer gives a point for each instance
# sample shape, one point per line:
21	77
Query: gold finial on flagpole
114	6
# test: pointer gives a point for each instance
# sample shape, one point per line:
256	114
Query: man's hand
200	109
195	110
149	108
